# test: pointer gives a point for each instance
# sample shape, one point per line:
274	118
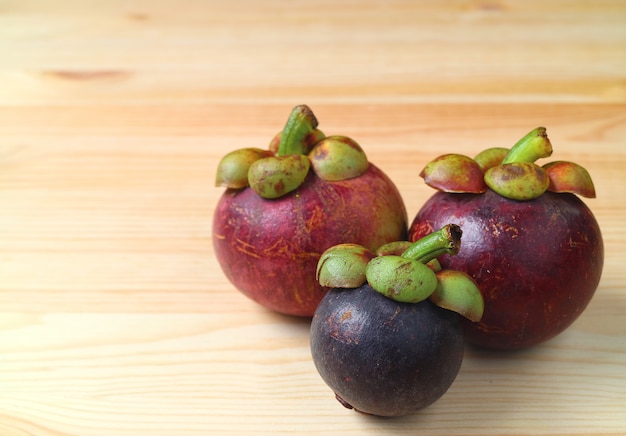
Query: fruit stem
533	146
446	240
300	124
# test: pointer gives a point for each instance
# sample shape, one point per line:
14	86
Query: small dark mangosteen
388	338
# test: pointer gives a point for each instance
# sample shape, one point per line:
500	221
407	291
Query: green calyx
511	173
283	168
401	279
275	176
405	272
458	292
337	158
343	266
232	171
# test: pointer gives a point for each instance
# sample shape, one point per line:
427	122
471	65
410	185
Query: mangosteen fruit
283	206
531	244
387	338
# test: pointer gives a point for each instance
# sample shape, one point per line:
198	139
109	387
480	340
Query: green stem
446	240
300	124
535	145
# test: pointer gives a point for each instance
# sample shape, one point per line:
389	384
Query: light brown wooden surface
115	318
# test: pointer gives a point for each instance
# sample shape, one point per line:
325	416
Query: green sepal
272	177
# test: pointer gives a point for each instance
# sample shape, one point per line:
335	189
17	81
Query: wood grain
114	315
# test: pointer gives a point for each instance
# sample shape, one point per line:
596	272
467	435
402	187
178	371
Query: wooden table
115	317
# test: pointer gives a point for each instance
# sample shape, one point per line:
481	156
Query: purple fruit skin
382	357
269	249
537	263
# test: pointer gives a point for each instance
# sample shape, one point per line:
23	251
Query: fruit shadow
454	401
299	324
482	387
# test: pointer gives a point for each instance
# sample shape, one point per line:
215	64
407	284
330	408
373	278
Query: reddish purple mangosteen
283	207
531	244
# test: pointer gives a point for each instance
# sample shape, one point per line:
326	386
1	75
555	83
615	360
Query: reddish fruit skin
382	357
269	249
537	263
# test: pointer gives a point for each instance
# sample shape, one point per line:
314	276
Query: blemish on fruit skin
344	327
244	247
279	186
320	154
389	321
315	220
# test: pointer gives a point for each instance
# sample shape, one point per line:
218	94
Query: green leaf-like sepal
569	177
275	176
395	248
343	266
337	158
401	279
458	292
232	171
518	180
491	157
454	173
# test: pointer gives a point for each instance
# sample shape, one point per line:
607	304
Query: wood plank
115	317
